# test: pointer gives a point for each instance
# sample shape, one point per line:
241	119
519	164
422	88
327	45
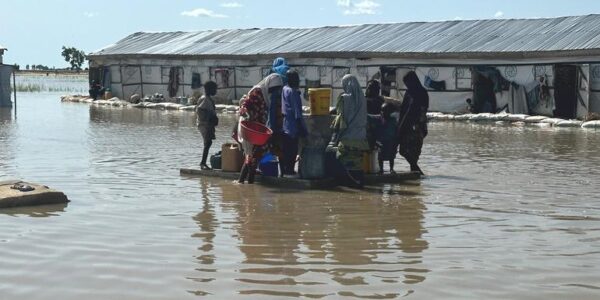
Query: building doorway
388	80
565	91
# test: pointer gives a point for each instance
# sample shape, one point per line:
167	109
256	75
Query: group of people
363	122
274	102
367	121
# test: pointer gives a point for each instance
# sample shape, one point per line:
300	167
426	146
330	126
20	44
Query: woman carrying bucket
252	109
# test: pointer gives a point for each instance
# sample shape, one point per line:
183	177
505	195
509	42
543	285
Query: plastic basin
255	133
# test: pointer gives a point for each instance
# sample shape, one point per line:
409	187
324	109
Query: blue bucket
269	166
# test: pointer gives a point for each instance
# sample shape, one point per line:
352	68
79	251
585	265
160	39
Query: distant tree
74	57
26	67
17	67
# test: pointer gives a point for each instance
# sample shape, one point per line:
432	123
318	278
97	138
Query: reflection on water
40	211
369	246
505	213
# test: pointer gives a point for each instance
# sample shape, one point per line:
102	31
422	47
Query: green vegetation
74	57
37	83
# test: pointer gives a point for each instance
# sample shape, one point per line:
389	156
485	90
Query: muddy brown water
504	213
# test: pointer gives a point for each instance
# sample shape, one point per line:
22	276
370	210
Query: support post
15	90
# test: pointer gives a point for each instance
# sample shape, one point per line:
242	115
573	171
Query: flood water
504	213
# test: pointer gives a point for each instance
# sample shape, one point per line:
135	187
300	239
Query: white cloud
90	14
499	14
343	3
232	5
202	12
364	7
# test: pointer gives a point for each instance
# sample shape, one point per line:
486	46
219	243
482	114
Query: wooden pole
15	90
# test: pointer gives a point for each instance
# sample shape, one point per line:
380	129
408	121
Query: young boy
386	137
206	119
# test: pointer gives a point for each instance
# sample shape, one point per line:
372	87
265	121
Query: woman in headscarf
252	108
350	126
412	126
271	87
280	67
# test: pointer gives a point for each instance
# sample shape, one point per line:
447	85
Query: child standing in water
386	137
207	120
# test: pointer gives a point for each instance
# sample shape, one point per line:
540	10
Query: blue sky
35	30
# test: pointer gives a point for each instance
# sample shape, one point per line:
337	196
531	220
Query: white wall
246	73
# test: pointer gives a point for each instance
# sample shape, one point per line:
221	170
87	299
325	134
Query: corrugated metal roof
441	39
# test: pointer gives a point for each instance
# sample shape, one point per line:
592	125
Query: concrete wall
5	82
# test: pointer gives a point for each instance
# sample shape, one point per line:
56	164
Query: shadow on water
320	239
40	211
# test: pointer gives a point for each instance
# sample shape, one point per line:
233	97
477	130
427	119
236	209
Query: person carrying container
254	108
207	120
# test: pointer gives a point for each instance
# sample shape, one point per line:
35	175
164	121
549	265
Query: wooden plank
295	182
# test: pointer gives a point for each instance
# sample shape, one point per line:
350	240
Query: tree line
72	55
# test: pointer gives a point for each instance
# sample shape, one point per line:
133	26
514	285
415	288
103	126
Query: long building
456	59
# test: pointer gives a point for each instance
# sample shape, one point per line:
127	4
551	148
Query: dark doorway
565	91
484	98
388	80
95	74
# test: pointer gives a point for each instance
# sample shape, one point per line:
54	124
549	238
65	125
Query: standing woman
207	120
293	122
280	67
253	108
271	87
350	126
412	126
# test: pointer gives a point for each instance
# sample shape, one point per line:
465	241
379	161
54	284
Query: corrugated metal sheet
484	37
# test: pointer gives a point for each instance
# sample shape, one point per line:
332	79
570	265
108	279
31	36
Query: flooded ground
505	213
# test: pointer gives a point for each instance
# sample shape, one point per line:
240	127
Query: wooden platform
39	195
299	183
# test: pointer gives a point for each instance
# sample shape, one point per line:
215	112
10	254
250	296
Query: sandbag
517	117
569	123
552	121
463	117
481	117
535	119
591	124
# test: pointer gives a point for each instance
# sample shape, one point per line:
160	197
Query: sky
34	31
